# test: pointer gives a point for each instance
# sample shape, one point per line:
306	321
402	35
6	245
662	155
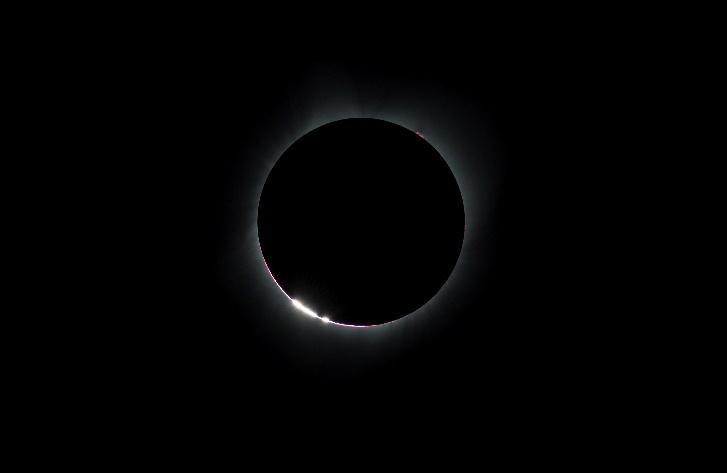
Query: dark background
537	326
146	313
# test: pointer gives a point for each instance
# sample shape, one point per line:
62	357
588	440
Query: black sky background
537	329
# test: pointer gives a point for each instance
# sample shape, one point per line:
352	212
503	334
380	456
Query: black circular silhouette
360	222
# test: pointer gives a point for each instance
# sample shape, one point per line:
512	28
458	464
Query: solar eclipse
360	222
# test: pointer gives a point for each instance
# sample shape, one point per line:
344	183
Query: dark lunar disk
361	221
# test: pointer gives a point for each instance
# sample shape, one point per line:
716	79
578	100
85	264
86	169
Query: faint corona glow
271	275
467	177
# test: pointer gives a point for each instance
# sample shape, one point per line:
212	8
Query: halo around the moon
360	222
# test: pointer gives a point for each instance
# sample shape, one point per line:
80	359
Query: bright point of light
303	308
307	311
